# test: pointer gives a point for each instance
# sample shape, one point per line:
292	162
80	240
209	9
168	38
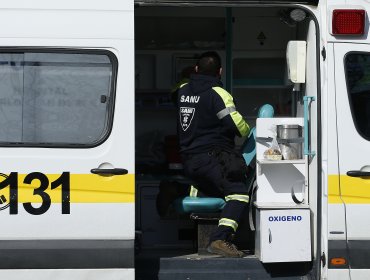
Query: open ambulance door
67	141
352	93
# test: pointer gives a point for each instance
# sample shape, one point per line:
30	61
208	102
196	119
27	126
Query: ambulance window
357	66
56	99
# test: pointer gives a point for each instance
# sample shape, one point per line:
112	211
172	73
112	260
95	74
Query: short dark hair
209	63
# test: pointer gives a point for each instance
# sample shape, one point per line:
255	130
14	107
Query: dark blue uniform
207	125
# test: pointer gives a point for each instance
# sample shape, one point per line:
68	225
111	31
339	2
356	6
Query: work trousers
221	173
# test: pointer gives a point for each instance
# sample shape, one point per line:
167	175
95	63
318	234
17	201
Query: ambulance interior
252	42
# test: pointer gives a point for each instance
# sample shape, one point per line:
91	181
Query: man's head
209	64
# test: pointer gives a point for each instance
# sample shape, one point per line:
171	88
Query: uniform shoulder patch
186	116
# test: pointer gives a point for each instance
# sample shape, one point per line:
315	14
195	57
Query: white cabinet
283	235
283	232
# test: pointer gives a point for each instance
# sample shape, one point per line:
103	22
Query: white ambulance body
67	103
71	50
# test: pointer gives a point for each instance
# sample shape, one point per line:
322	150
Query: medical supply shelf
299	164
280	205
282	210
267	161
272	186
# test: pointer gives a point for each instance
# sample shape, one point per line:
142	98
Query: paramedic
207	125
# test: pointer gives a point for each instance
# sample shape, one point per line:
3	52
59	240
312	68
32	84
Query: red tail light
348	22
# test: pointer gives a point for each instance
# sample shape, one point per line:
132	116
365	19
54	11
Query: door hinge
323	53
323	259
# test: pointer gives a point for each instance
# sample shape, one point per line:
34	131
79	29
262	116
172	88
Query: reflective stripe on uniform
240	123
227	111
228	223
239	197
238	120
193	191
182	85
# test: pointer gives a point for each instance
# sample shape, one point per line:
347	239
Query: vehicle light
338	261
297	15
348	22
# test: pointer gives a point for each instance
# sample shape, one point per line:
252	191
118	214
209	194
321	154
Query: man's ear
196	69
220	72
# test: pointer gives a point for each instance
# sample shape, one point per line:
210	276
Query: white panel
331	128
296	60
68	4
354	150
86	221
70	274
340	274
54	24
285	235
358	224
336	212
336	222
358	274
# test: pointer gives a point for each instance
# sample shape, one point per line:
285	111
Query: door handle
358	173
270	236
109	171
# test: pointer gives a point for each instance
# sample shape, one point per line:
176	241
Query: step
195	267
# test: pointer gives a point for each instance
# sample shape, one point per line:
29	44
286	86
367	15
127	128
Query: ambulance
88	134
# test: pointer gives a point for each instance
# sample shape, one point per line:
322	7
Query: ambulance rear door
352	78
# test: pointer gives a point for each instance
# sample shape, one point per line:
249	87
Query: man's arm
227	112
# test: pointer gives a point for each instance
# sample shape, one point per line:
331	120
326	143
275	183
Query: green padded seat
198	204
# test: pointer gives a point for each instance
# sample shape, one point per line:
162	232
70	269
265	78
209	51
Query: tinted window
55	98
357	66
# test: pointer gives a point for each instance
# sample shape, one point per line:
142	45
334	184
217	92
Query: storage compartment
283	234
283	230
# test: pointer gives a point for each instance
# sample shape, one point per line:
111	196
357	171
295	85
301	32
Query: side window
55	98
357	69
